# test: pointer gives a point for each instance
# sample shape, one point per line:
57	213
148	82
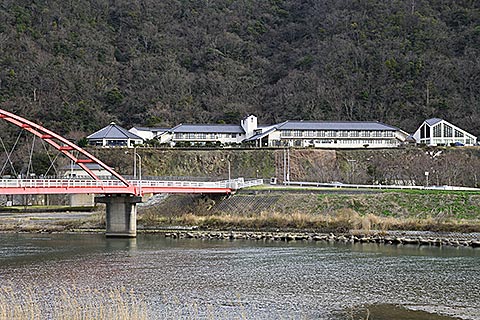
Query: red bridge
134	187
120	195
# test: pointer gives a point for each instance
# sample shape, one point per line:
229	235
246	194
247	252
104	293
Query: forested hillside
76	65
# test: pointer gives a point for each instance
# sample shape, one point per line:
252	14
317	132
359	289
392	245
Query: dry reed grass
340	220
73	304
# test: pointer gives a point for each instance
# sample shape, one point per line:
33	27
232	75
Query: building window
286	133
321	134
447	131
437	131
424	131
310	133
458	134
202	136
343	134
297	133
377	134
179	135
331	133
354	134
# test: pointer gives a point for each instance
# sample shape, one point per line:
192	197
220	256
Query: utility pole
229	171
288	165
134	163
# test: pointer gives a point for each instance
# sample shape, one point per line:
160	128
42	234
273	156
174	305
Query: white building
75	171
438	132
330	134
147	133
202	134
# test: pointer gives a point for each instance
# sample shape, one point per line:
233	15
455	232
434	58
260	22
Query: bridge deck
136	187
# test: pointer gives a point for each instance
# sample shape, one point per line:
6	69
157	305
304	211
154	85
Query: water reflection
187	278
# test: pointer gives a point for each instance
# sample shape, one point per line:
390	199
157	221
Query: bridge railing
76	183
231	184
57	183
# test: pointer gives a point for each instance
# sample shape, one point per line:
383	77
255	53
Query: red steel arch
61	144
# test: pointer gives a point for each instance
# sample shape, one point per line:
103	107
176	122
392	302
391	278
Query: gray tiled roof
433	121
113	131
336	125
207	128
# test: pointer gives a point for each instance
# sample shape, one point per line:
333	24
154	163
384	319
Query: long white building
330	134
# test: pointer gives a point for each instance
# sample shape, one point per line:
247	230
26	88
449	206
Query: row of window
466	141
335	133
336	141
440	130
370	141
203	136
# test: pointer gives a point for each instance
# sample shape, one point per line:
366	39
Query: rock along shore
455	241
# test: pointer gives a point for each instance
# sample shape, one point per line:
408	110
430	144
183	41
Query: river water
215	279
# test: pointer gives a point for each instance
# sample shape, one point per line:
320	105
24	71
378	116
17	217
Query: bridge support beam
121	214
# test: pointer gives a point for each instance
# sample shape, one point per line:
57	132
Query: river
220	279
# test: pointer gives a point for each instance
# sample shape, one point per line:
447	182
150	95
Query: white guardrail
235	184
74	183
373	186
57	183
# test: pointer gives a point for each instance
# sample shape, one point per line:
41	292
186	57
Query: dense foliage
77	65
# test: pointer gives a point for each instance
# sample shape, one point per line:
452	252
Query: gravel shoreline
418	238
394	238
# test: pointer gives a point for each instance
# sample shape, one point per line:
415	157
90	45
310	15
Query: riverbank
327	211
433	218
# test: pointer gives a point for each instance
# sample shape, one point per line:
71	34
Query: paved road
7	218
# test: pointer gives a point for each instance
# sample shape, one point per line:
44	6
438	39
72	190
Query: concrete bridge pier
121	214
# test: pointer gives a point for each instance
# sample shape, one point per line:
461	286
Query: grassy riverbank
327	212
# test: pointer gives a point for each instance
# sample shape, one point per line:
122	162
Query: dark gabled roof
336	125
433	121
207	128
113	131
260	135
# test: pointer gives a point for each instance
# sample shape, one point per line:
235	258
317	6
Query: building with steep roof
438	132
114	136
